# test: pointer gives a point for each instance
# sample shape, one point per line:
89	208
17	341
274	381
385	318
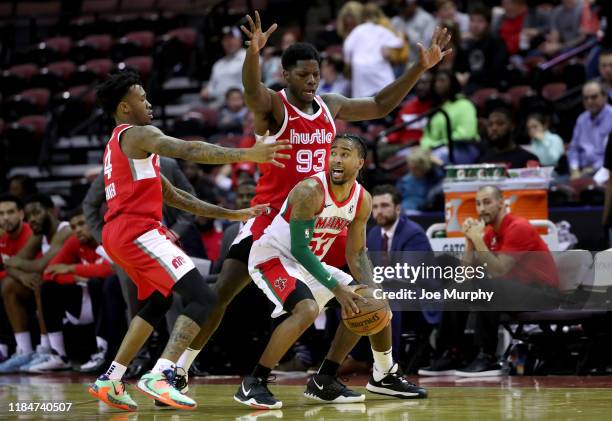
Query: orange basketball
373	316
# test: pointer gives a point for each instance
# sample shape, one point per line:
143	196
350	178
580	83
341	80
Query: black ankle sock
261	371
328	368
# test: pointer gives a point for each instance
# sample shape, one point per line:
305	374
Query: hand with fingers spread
428	58
257	37
248	213
347	300
269	152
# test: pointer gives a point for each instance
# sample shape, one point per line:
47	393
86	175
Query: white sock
187	358
116	371
44	341
24	342
162	365
383	362
102	344
56	340
4	350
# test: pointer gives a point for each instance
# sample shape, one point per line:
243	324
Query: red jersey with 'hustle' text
133	186
10	246
311	137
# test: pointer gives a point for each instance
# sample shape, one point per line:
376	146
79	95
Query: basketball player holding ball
307	121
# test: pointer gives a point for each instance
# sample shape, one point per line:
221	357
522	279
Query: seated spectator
227	71
417	24
547	146
80	260
332	79
22	186
461	111
365	51
418	104
501	145
271	66
586	150
605	71
482	59
423	175
24	276
566	23
396	56
15	234
498	242
519	26
447	13
233	112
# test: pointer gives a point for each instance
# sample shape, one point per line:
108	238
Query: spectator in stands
15	235
227	71
24	276
233	112
606	218
447	13
482	59
519	26
271	67
349	16
417	24
332	78
423	176
22	186
547	146
605	71
366	51
586	150
396	56
418	104
462	114
565	26
501	145
79	260
498	241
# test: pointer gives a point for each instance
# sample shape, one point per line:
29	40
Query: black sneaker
394	384
180	383
446	365
326	388
254	392
484	365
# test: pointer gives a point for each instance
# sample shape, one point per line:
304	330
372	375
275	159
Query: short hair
480	9
496	191
299	51
113	89
602	90
363	147
43	199
75	212
606	52
388	189
506	112
7	197
231	91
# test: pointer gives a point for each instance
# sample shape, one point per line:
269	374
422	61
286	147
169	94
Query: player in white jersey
285	263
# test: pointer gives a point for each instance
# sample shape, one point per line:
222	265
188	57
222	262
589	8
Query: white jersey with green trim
331	219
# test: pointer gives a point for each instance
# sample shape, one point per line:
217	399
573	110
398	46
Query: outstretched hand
257	38
265	151
428	58
248	213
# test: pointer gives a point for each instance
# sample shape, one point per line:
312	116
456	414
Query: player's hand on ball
435	53
347	299
257	38
248	213
269	152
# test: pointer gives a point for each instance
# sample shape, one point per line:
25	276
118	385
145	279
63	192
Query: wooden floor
507	398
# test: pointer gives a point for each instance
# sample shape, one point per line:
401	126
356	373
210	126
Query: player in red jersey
307	120
136	240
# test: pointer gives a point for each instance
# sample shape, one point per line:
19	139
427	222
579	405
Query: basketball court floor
505	398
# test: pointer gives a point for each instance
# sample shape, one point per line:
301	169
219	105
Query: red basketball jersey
133	186
311	137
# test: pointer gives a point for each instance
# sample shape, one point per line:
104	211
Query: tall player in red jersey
307	120
136	240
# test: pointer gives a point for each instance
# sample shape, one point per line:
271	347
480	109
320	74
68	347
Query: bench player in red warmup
307	120
136	240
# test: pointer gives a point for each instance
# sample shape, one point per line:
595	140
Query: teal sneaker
113	393
161	388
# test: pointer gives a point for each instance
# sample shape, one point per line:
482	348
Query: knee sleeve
198	298
155	308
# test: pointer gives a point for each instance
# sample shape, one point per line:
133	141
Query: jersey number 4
108	166
311	161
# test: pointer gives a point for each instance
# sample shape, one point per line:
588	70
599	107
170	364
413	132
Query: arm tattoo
364	268
202	152
305	200
182	200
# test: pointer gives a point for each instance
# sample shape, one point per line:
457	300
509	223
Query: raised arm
152	140
389	97
180	199
356	252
